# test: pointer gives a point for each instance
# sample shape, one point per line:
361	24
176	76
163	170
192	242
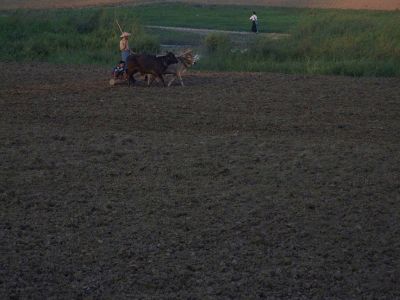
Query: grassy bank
358	43
340	43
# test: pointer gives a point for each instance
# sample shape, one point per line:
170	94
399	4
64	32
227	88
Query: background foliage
357	43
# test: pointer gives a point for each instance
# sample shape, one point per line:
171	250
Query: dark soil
236	186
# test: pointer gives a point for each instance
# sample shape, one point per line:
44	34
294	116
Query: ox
185	61
149	64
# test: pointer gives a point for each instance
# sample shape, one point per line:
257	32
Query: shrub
144	43
89	24
270	49
217	42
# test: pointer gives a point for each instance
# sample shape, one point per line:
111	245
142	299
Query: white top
253	18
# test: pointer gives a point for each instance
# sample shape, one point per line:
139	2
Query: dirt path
238	186
208	31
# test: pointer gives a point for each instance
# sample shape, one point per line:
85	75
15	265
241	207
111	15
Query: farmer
124	46
254	24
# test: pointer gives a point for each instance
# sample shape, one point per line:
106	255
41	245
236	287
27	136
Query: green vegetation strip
357	43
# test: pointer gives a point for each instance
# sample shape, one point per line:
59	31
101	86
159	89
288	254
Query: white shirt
253	18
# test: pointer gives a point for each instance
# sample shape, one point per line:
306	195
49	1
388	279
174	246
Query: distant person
254	22
124	46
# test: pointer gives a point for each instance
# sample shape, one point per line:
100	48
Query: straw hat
125	34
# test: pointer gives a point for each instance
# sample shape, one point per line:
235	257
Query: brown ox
149	64
185	61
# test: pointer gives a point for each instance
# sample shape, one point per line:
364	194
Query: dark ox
149	64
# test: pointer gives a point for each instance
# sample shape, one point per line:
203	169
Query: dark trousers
254	26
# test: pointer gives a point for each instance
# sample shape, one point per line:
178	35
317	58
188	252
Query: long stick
119	26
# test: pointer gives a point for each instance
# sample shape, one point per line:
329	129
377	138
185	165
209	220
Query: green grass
170	37
217	17
356	43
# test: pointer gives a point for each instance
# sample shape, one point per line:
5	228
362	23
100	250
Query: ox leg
172	80
150	80
162	80
131	79
178	75
180	78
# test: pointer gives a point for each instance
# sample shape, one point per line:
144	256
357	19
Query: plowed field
236	186
341	4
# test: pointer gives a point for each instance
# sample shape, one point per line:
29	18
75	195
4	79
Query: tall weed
217	43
